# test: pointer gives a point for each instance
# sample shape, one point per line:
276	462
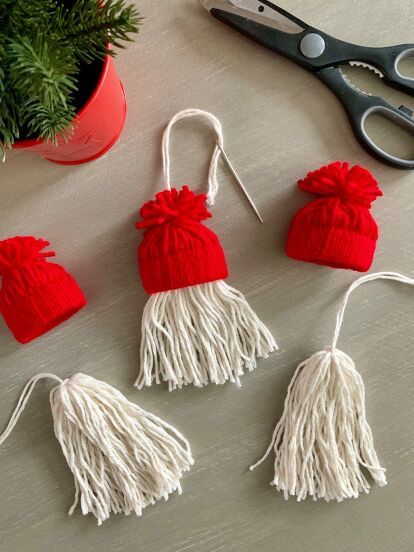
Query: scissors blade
263	12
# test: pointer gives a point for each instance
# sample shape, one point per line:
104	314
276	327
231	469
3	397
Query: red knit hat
337	229
35	295
177	250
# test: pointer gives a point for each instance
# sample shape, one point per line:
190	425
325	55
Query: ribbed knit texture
337	229
35	295
177	250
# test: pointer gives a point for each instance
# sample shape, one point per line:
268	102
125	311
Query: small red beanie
35	295
178	251
337	229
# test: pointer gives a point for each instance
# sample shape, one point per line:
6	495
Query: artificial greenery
43	45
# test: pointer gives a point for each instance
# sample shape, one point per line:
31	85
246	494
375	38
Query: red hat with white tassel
196	329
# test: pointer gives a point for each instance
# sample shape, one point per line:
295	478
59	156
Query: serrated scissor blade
367	66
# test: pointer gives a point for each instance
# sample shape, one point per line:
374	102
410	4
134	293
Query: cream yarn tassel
200	334
323	439
122	458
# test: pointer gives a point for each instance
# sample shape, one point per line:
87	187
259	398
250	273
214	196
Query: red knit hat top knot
35	295
337	229
177	250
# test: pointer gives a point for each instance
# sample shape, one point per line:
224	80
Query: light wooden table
279	123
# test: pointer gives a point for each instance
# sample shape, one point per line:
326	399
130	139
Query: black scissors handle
360	106
321	54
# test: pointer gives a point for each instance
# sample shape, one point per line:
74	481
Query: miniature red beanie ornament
337	229
35	295
196	329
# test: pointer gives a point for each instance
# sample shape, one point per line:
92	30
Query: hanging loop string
21	404
368	278
212	175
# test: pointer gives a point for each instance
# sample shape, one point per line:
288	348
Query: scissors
322	54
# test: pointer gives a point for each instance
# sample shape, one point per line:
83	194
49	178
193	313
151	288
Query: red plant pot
97	125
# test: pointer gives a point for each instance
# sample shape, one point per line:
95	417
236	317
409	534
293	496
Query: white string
21	404
368	278
212	175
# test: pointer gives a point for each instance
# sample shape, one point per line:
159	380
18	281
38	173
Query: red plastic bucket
97	125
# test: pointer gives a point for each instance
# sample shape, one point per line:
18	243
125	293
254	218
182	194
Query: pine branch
42	43
25	16
47	122
2	73
91	26
42	69
9	119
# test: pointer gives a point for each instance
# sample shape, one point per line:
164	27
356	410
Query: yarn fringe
323	439
122	458
200	334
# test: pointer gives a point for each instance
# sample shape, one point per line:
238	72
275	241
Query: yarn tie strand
323	438
22	402
364	279
212	173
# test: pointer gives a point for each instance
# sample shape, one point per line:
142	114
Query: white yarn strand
368	278
22	402
200	334
121	457
323	438
212	175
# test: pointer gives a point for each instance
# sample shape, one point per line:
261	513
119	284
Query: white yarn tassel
323	438
122	458
323	441
200	334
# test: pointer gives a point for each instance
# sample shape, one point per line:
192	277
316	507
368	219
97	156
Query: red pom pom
15	253
173	206
356	185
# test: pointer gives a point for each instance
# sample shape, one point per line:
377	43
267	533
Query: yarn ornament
323	443
123	458
36	295
196	329
337	229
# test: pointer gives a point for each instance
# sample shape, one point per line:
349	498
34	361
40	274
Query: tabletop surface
279	122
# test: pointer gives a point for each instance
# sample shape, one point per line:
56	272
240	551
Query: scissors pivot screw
312	45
